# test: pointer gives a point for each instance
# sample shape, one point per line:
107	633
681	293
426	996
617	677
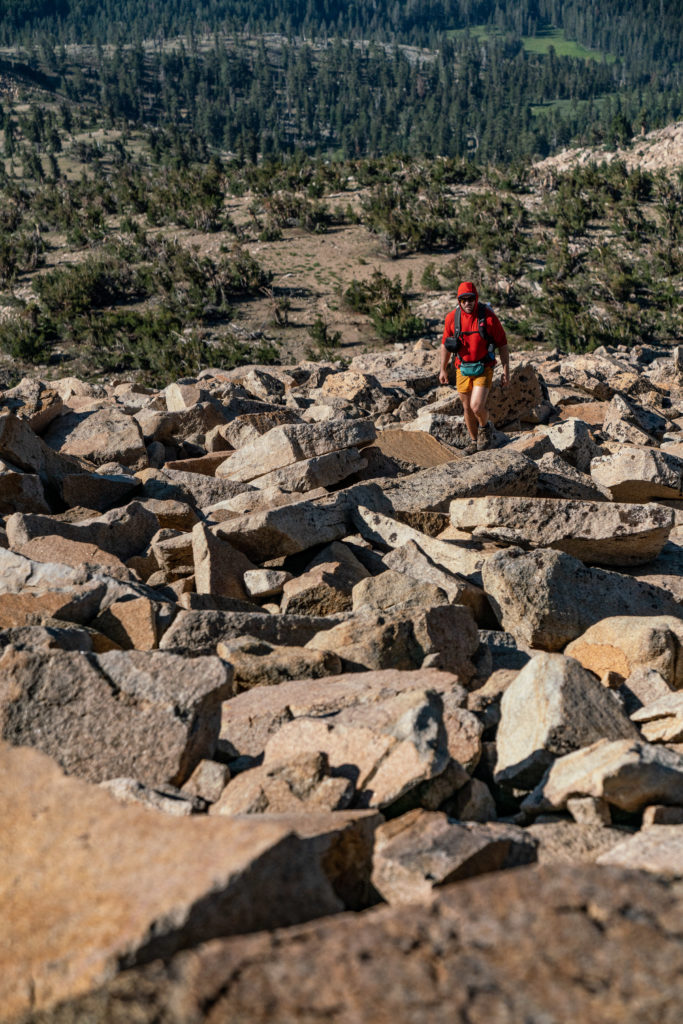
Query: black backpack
452	344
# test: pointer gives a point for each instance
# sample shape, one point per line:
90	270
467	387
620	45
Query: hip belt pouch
477	369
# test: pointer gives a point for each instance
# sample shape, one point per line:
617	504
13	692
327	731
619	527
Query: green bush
385	302
325	343
430	278
155	343
28	336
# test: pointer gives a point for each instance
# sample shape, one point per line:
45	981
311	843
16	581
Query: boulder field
306	715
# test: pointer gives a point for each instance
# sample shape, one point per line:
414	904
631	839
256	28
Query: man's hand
504	354
443	377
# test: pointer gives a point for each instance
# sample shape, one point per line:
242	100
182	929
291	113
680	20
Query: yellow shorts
465	384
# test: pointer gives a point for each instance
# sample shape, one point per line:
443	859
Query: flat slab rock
596	532
491	472
489	949
629	774
296	527
282	446
195	633
422	850
90	886
415	446
639	474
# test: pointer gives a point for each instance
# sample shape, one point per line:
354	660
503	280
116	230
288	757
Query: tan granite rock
219	568
629	774
97	714
133	624
547	598
404	638
92	887
282	446
20	491
624	643
105	435
422	850
251	719
258	663
596	532
639	474
385	749
406	965
658	849
297	786
553	706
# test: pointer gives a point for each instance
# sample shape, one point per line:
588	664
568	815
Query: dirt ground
312	271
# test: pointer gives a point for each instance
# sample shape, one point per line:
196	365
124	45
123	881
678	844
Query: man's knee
478	400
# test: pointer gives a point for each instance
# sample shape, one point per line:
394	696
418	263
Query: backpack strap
453	343
484	311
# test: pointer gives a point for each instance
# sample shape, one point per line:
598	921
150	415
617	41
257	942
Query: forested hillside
497	81
185	184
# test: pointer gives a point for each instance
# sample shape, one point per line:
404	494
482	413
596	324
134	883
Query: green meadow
541	42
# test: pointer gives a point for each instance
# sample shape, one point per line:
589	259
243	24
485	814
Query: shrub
324	342
28	336
385	302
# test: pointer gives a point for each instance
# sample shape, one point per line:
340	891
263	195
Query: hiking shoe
484	437
470	449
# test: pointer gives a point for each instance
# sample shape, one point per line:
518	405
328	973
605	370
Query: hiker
472	333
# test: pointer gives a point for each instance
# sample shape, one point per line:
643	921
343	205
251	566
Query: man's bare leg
477	407
471	421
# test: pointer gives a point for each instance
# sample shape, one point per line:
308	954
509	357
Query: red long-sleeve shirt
472	345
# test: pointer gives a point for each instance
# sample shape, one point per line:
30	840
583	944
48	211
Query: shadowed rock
95	887
425	965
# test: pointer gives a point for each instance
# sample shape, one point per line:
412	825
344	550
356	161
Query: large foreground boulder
537	944
90	887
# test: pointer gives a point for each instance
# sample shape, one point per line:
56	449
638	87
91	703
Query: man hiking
472	333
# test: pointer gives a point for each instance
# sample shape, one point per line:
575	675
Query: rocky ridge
282	605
